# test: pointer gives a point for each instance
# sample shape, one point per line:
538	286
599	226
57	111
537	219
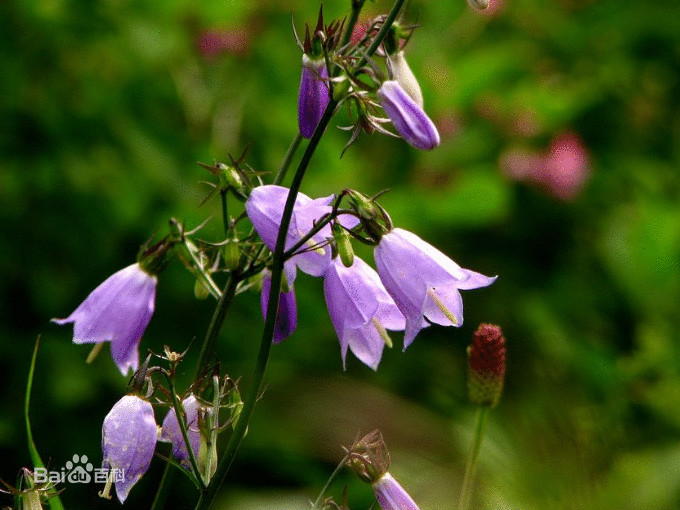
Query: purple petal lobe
265	210
409	119
314	95
119	310
391	495
286	317
423	281
128	441
171	431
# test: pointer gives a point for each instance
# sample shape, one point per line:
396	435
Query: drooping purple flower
423	281
409	119
360	309
265	210
286	317
128	442
170	431
119	310
391	495
313	97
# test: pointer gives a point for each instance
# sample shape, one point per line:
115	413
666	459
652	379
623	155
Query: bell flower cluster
415	283
130	433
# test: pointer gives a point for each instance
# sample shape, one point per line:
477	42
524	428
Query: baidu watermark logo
78	470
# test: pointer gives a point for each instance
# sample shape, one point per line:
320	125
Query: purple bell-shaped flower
128	442
314	94
118	311
361	310
391	495
423	282
409	119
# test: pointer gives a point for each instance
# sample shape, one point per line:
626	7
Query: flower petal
172	433
286	318
423	281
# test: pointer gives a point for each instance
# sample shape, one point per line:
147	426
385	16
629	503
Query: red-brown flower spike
486	365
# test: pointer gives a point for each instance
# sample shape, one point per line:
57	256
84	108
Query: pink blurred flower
212	43
563	170
566	166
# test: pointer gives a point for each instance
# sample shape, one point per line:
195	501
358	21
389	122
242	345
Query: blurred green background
107	105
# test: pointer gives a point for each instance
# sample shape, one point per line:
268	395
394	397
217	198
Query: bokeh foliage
106	107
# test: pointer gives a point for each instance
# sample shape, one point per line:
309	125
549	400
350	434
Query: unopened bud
340	89
343	244
486	365
231	176
201	292
373	218
30	500
232	254
369	457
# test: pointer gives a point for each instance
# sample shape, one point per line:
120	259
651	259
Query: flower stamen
442	306
382	332
106	492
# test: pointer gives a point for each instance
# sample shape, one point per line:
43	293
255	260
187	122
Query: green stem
396	8
471	467
180	415
217	321
225	211
292	149
53	495
316	504
208	346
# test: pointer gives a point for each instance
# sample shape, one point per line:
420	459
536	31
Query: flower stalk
180	414
471	466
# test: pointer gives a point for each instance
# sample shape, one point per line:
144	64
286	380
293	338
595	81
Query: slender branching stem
268	333
220	313
335	473
471	467
281	174
208	347
180	415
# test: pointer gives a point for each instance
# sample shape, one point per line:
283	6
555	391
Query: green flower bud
201	292
232	254
369	457
343	244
